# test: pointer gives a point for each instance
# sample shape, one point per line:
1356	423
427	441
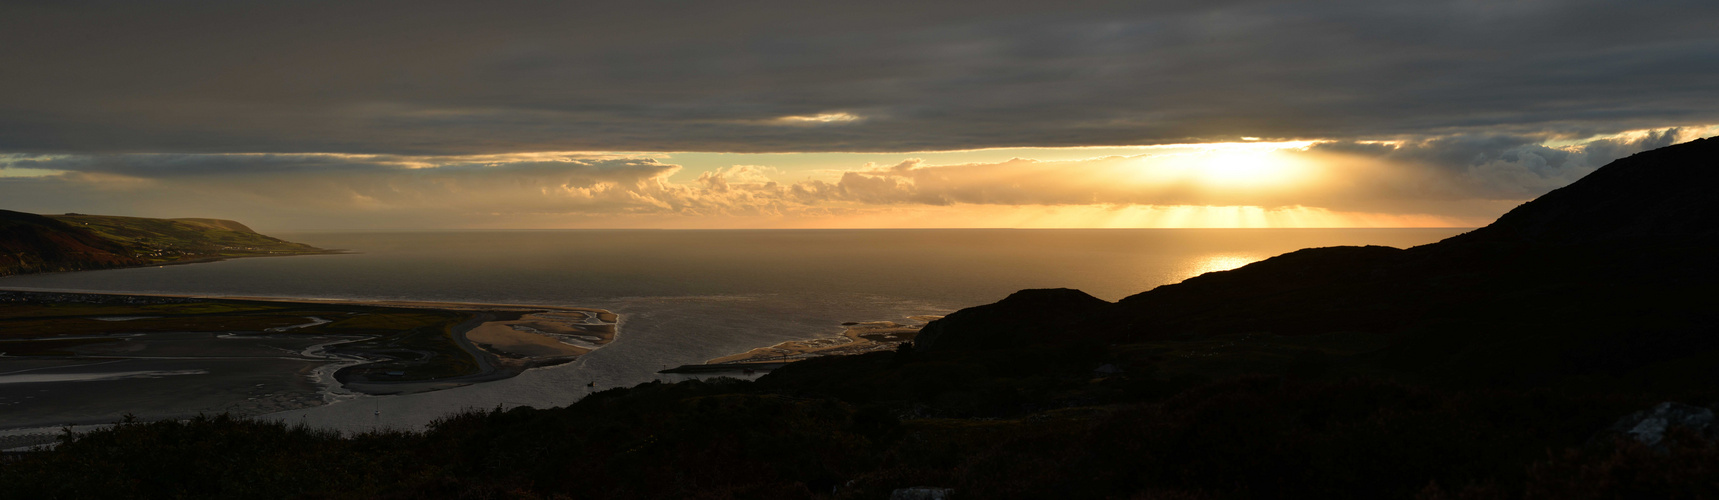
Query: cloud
1466	177
1497	167
819	119
443	77
378	188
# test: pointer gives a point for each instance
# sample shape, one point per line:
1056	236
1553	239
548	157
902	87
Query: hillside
1608	275
73	242
31	243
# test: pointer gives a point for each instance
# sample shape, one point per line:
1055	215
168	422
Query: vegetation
32	243
419	343
1245	437
171	240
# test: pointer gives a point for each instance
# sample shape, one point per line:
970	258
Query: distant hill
31	243
75	242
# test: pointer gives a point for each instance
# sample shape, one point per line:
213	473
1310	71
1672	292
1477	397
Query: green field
169	240
418	342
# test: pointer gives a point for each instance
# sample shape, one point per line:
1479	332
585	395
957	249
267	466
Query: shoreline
336	374
858	337
487	369
418	304
182	262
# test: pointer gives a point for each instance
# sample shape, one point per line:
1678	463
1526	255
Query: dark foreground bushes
1267	437
1247	437
214	457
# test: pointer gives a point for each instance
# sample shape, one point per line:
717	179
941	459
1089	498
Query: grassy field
418	342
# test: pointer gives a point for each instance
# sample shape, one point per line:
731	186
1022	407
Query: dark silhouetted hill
1659	197
1608	274
1018	319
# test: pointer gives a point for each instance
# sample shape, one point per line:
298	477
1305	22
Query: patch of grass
420	341
73	309
169	240
39	328
14	310
385	321
213	307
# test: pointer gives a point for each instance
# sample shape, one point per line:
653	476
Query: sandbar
858	337
288	362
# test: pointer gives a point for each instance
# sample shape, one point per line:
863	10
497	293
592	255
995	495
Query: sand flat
501	336
255	370
857	338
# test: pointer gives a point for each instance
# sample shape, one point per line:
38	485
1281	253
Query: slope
74	242
31	243
172	240
1607	277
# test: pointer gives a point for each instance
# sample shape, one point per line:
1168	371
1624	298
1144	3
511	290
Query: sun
1244	168
1230	167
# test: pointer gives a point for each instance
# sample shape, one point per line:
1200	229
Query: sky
312	115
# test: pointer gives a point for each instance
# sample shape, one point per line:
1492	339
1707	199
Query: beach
858	337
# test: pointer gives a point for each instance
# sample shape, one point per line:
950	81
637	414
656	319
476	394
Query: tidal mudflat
84	359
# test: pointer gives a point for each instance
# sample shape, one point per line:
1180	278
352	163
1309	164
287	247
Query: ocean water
689	296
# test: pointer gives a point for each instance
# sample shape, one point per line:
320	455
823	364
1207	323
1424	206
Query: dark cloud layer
445	77
1482	166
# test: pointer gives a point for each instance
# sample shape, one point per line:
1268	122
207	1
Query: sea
687	296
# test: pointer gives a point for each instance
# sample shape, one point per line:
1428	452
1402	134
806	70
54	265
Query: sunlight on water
1215	263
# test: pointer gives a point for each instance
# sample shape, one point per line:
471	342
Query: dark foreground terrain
1495	364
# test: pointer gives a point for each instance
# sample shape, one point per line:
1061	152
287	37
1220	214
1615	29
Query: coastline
858	337
181	262
464	306
493	364
298	365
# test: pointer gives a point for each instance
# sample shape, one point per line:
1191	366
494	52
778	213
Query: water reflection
1215	263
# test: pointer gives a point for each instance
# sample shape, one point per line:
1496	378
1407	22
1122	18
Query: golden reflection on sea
1217	263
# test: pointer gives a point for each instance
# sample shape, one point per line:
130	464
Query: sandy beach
856	338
